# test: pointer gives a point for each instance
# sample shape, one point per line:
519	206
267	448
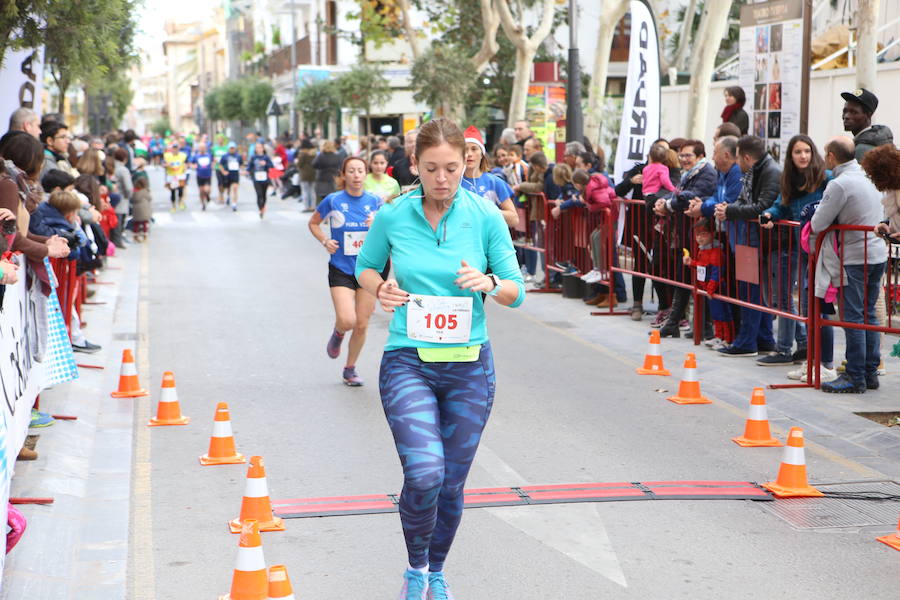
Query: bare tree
526	48
713	26
867	44
684	36
490	20
611	12
412	36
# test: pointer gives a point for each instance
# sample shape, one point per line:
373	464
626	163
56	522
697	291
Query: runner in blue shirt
478	180
349	213
258	166
230	168
437	375
203	162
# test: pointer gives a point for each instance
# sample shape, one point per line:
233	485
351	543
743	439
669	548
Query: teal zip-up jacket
425	260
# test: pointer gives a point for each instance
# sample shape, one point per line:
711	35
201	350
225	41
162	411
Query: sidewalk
77	547
828	419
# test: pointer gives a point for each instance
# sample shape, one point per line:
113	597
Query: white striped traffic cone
756	431
791	481
221	444
689	387
256	504
250	581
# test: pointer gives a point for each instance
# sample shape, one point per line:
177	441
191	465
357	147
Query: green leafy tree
20	24
361	88
442	78
317	102
89	39
161	127
231	100
212	105
256	96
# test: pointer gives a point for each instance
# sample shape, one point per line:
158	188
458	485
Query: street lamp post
574	116
294	123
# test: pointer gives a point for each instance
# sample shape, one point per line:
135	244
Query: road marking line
142	560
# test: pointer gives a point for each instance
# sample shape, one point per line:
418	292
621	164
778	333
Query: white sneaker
828	375
587	276
825	376
593	277
720	345
800	374
712	342
881	370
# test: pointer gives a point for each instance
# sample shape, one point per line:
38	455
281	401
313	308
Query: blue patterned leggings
436	412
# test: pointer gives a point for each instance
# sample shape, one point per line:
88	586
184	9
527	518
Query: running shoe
182	206
334	344
40	419
351	378
173	209
661	318
414	586
826	375
712	342
438	589
234	208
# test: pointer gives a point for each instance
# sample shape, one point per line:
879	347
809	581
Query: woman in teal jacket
437	374
803	182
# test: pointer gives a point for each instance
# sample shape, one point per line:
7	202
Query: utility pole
574	116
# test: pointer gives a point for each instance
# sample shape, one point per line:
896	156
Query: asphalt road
239	310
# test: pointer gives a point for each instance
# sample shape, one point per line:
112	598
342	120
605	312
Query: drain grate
839	513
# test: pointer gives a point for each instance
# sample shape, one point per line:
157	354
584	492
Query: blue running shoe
414	586
438	589
40	419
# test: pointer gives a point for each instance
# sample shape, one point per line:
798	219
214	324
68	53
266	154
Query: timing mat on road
531	495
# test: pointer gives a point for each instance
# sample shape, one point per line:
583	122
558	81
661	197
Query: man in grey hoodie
851	199
859	106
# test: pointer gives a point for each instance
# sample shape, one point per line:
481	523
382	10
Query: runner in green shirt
220	149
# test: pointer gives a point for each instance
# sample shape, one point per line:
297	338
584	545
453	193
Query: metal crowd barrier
765	270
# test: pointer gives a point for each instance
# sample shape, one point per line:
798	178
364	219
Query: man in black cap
857	115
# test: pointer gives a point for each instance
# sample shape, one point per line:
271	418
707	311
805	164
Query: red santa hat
473	136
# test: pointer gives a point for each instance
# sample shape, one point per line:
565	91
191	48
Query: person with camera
20	194
9	272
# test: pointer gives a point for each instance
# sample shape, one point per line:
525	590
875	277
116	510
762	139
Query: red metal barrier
762	268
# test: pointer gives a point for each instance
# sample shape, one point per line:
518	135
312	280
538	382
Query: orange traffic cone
256	504
249	581
791	482
168	411
129	387
280	584
689	388
892	540
221	444
756	432
653	362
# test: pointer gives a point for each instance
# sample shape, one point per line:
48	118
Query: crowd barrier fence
761	269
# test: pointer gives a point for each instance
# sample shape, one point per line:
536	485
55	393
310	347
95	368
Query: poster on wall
544	105
771	51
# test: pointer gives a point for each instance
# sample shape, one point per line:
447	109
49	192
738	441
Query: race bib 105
439	319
